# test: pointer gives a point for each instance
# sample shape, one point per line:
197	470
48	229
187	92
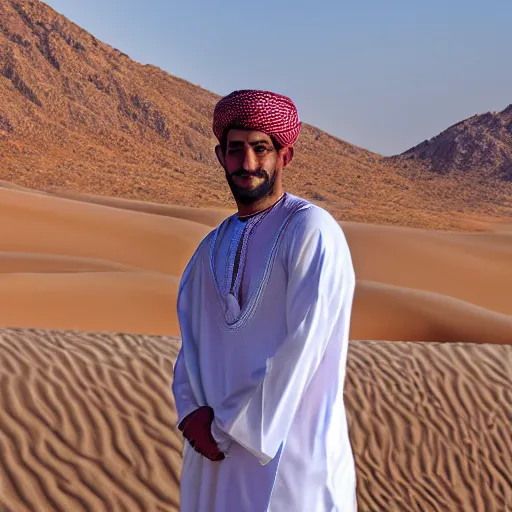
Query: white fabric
270	360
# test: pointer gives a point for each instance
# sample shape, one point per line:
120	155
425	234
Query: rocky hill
480	146
77	114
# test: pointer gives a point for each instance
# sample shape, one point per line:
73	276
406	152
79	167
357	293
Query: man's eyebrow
236	143
262	141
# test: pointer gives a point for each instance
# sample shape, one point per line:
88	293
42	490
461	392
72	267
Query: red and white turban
265	111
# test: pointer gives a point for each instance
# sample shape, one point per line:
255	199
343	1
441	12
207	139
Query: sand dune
41	223
120	262
473	267
87	423
87	418
207	216
388	312
90	300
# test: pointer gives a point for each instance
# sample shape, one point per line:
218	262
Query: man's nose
250	163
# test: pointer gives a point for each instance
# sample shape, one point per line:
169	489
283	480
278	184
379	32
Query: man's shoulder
202	248
204	245
314	229
309	216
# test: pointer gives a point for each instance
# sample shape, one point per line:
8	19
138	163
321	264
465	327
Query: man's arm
182	390
186	396
194	417
194	421
320	276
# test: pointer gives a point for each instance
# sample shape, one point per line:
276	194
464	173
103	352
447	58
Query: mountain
480	146
77	114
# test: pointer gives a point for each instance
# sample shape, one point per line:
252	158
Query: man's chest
242	260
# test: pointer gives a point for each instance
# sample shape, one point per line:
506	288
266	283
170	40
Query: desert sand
89	336
76	261
88	420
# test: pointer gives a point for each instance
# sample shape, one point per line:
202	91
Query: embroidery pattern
235	240
251	226
247	311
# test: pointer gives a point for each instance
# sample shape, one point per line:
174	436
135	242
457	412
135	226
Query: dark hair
277	146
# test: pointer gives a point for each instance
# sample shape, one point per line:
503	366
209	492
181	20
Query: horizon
402	85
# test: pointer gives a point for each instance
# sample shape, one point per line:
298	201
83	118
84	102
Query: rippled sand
87	423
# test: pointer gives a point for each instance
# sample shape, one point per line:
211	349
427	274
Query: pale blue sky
382	74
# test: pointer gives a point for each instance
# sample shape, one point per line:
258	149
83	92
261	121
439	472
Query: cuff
186	412
223	441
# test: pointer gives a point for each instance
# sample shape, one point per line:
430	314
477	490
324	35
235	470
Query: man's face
252	164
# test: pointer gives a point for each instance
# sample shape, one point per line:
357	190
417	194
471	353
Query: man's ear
287	155
220	155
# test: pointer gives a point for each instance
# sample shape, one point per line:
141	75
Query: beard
251	195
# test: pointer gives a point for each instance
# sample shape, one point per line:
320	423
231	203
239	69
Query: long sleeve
185	387
182	389
320	274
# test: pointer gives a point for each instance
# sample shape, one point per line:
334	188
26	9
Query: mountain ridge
78	114
480	144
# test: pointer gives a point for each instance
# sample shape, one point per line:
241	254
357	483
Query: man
264	309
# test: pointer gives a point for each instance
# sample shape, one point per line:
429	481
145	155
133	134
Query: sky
382	74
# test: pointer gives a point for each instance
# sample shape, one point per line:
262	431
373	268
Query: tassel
232	308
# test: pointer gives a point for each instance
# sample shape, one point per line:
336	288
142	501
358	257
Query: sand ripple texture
87	424
430	425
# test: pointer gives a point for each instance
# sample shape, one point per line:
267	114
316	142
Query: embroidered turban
265	111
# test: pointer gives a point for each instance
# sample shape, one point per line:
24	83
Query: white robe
270	360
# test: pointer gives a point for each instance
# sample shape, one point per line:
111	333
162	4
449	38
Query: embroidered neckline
253	298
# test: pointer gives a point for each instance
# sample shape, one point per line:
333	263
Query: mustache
258	174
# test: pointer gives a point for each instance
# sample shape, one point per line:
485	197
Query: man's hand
196	428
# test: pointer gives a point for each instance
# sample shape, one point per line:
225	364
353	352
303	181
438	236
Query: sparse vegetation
68	105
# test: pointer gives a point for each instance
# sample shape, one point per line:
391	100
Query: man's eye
261	149
233	151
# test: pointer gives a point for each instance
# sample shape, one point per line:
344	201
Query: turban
265	111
